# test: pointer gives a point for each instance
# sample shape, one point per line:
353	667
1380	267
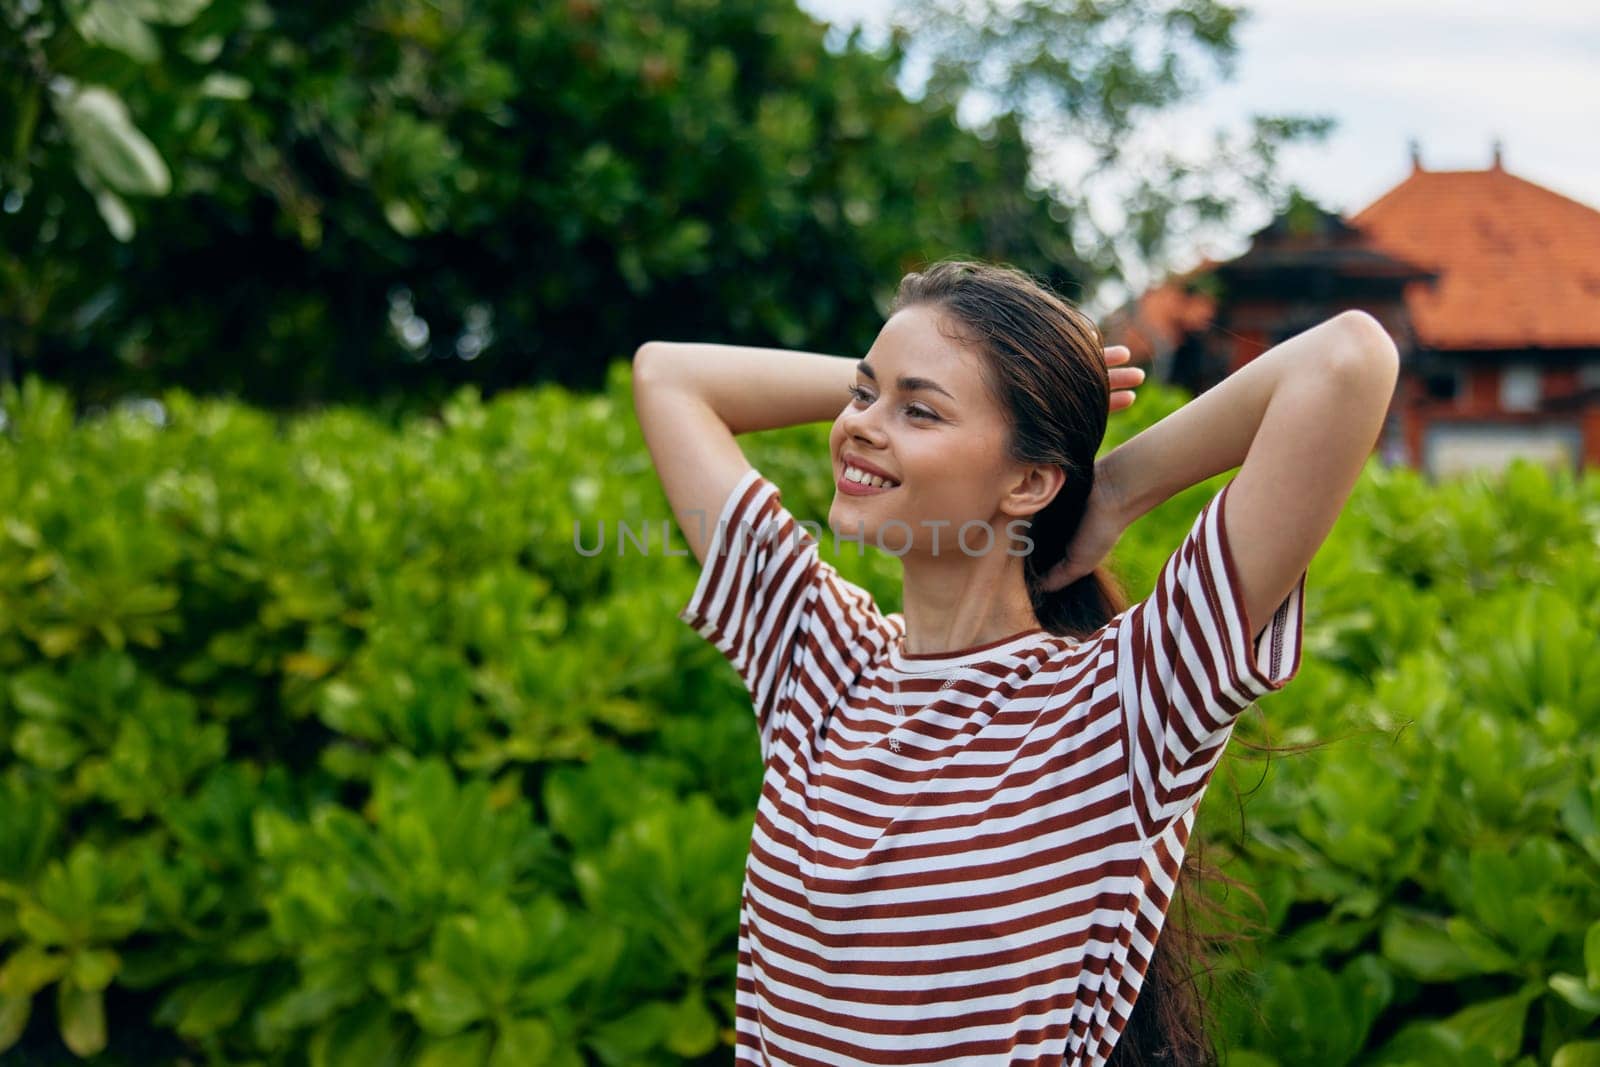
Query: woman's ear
1038	486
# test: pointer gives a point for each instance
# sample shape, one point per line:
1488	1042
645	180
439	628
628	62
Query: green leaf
444	1001
1423	948
14	1012
113	212
110	144
30	969
1509	891
206	1005
523	1041
1495	1024
627	1038
1576	991
1247	1058
1577	1054
170	12
47	745
93	969
39	694
693	1029
1431	1044
403	217
222	86
467	1049
42	927
1591	955
115	24
324	989
1479	947
1580	815
366	1034
83	1018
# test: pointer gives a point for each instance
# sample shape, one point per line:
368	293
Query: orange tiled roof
1520	264
1161	317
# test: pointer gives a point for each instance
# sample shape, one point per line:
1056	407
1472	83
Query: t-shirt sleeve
1186	668
765	596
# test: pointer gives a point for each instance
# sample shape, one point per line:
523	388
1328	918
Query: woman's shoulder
1060	656
1062	649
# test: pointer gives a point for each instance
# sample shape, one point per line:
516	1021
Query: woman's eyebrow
907	384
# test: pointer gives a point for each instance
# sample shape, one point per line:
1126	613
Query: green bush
321	742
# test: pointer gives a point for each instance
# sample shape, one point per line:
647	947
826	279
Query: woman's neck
961	602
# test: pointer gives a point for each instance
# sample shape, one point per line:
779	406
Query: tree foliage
1090	75
299	203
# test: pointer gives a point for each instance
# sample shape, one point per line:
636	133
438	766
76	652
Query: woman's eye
858	393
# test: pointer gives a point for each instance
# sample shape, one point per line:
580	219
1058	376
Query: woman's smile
860	478
861	488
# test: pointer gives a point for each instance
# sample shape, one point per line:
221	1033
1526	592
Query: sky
1455	75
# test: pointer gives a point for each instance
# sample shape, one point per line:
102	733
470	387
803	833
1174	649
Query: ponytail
1081	607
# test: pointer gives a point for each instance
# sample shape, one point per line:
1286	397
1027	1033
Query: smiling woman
692	398
975	812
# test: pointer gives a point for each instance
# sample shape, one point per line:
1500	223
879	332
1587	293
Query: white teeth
855	474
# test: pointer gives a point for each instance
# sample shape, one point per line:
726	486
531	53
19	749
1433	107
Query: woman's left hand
1103	520
1103	523
1123	379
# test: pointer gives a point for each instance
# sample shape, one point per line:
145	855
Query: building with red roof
1488	283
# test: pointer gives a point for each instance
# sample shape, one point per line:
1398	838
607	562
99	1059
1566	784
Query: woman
974	810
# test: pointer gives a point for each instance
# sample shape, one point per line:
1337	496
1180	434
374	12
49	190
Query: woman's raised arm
691	399
1300	421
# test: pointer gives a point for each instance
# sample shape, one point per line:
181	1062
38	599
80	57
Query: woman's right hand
1124	380
1103	523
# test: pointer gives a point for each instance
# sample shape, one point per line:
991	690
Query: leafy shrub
320	741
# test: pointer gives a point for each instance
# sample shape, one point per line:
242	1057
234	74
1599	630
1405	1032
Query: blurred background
377	202
320	743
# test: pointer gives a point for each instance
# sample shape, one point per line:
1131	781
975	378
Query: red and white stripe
983	880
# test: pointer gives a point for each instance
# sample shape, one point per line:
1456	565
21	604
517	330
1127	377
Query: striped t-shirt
983	880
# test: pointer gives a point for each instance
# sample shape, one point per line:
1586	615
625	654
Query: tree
380	200
1088	73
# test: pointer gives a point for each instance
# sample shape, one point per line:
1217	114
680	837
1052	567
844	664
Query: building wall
1481	424
1563	427
1453	446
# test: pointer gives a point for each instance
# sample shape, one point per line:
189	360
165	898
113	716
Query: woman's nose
861	423
866	431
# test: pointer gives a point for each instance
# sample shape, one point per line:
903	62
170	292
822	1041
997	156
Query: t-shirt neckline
923	662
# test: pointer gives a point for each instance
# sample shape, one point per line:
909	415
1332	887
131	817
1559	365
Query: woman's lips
861	488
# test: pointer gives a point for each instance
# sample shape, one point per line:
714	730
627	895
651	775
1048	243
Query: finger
1117	354
1127	377
1120	400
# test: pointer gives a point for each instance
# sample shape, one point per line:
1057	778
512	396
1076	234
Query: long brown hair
1043	362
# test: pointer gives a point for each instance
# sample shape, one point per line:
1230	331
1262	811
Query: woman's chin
847	516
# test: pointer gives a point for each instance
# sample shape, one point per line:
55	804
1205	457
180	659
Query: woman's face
923	416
